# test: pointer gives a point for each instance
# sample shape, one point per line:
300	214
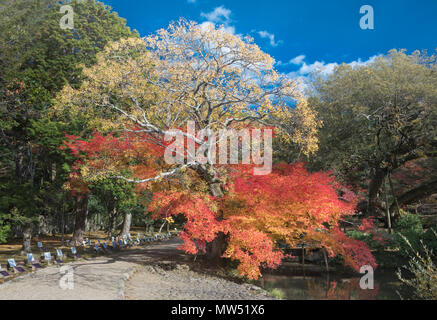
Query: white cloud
320	66
298	60
267	35
219	15
204	26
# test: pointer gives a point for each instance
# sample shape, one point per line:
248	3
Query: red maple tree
257	213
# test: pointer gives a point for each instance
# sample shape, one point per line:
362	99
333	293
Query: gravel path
157	283
150	273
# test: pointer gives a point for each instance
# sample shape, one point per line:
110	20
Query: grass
277	293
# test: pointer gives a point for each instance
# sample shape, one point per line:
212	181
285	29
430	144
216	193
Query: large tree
189	72
37	59
376	117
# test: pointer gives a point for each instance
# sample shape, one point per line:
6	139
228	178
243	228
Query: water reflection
333	287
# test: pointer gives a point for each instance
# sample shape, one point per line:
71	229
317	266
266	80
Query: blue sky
300	35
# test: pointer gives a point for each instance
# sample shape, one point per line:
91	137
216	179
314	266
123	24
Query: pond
307	285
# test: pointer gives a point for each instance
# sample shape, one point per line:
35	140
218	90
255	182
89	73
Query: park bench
127	241
13	266
41	247
47	257
59	256
105	247
74	253
97	249
34	263
145	239
4	273
124	241
131	241
114	245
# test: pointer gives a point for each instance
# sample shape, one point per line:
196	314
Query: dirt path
150	273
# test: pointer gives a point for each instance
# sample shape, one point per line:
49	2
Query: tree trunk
80	223
27	237
216	248
374	188
387	208
126	224
397	213
112	221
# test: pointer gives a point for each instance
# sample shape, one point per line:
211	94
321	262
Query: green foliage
395	250
5	232
409	223
408	227
277	293
365	237
376	117
423	269
37	59
370	112
5	227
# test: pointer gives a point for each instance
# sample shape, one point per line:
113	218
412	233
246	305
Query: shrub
409	222
5	227
5	233
409	226
423	269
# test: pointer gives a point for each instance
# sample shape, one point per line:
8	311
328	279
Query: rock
182	267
